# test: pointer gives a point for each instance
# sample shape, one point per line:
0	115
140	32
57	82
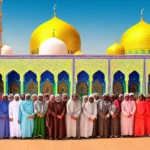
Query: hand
89	119
72	117
31	117
106	118
75	118
59	117
18	121
10	119
41	115
3	118
92	120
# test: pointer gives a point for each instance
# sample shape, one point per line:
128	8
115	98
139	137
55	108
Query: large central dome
58	29
136	40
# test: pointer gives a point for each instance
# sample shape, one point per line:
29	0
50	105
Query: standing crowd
56	117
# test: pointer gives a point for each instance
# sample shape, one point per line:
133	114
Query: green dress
39	124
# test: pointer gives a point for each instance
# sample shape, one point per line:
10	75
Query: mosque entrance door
148	88
32	88
63	87
14	88
97	88
82	89
133	88
47	87
118	88
1	87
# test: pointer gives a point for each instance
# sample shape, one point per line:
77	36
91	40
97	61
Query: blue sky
99	22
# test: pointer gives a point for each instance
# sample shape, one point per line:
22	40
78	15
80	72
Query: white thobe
127	124
13	113
90	111
73	109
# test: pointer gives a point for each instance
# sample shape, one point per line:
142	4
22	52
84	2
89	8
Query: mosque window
148	51
143	52
129	52
136	52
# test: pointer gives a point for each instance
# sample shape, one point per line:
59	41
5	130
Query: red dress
139	124
147	118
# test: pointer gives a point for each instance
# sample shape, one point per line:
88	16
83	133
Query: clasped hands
129	116
91	120
31	117
74	118
59	117
3	118
40	115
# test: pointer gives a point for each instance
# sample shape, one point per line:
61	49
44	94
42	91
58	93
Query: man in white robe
90	113
72	117
13	117
82	117
128	109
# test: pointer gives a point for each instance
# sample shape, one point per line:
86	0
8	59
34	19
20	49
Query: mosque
57	64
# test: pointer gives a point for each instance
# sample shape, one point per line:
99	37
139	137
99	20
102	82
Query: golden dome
136	40
55	28
116	49
78	53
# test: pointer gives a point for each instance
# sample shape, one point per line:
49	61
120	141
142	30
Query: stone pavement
89	144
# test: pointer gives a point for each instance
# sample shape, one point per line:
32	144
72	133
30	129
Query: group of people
57	117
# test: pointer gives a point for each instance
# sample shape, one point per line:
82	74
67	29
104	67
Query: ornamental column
141	86
22	83
90	86
5	83
0	25
126	85
56	85
39	86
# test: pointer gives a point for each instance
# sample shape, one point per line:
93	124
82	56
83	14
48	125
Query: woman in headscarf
82	117
59	113
13	117
64	99
72	117
90	113
4	115
50	118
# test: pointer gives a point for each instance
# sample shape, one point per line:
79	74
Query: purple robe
4	124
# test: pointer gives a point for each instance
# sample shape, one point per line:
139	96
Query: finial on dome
142	16
55	10
53	32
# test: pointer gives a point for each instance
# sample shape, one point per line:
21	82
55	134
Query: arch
98	84
1	85
119	85
47	82
63	83
82	87
134	83
13	79
30	83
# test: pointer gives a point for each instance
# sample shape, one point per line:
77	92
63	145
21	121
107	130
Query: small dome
78	53
53	46
6	50
116	49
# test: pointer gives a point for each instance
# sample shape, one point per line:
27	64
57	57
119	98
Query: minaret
0	25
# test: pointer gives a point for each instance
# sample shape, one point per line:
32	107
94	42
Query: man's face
105	98
141	97
86	99
53	98
46	98
91	99
74	97
112	98
16	98
131	97
40	98
126	98
28	97
34	98
121	98
22	96
96	96
64	97
5	98
148	98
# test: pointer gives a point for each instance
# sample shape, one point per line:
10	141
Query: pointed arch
119	83
13	79
134	83
30	82
1	85
82	87
47	82
63	83
98	84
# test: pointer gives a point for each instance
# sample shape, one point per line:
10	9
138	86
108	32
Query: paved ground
89	144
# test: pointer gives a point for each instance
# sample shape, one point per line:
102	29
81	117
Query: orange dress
147	118
139	124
